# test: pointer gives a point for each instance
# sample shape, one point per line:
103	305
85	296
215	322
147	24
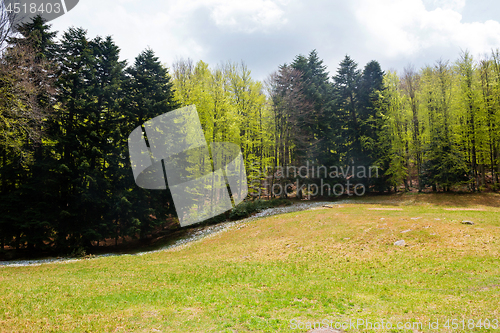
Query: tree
346	125
229	90
410	85
370	89
72	130
469	118
443	164
495	67
489	104
393	135
292	117
26	102
8	23
37	35
149	93
318	92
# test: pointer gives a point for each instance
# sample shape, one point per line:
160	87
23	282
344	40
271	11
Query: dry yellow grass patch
351	231
256	276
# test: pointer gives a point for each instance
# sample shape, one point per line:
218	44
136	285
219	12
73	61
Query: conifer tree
148	93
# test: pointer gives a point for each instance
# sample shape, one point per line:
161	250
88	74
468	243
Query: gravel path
194	235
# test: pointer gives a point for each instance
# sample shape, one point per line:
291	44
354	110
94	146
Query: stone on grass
468	222
400	243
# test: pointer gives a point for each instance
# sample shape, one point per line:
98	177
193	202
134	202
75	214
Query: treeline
297	116
441	125
432	129
67	107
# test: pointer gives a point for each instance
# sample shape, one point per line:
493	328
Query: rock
328	206
400	243
468	222
405	231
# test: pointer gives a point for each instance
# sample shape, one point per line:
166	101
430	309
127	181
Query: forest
68	105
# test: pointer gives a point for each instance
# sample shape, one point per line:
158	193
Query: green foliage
68	106
318	91
232	108
442	125
392	136
148	92
247	208
77	188
444	167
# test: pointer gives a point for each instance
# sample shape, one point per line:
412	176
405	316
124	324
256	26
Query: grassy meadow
272	274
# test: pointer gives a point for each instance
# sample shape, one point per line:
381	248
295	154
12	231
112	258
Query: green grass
330	263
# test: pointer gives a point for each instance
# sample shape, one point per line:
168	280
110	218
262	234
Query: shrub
247	208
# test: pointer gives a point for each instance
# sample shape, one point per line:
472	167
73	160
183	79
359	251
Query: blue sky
267	33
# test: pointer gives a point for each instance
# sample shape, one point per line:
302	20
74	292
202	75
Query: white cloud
405	28
248	15
171	27
456	5
267	33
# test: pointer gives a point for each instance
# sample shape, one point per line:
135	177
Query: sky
267	33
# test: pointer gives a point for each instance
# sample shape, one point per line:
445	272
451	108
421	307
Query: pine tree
346	125
37	35
149	93
74	138
370	90
318	92
104	190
